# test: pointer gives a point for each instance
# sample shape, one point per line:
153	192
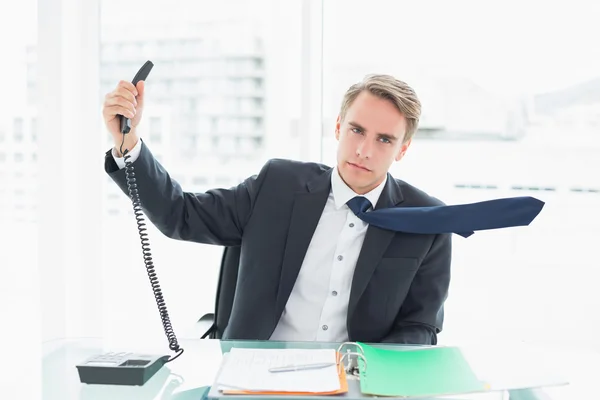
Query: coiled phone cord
158	296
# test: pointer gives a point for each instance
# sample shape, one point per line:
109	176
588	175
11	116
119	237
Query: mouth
360	167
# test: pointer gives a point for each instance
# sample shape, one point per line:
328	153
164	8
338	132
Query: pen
289	368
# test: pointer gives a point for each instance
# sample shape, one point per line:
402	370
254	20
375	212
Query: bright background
511	94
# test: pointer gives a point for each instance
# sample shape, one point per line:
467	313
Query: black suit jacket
400	281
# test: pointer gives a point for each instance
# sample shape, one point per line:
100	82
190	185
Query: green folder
433	371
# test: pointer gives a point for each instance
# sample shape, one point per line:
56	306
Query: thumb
140	97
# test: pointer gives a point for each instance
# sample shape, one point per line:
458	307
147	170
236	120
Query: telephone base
120	368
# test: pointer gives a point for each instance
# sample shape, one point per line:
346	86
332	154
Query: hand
127	100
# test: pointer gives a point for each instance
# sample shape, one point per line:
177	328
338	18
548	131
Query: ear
403	150
337	128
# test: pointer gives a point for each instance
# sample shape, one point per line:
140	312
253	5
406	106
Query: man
310	269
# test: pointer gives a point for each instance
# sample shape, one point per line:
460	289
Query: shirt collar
342	193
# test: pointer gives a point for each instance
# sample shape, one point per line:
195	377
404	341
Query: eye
356	130
385	140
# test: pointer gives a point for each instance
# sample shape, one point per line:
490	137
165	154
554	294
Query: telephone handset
129	368
141	75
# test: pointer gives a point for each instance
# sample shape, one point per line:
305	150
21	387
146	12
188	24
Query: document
248	369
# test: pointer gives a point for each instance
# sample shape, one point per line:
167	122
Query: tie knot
359	204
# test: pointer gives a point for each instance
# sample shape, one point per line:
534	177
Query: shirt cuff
134	153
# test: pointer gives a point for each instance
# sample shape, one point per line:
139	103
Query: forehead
376	114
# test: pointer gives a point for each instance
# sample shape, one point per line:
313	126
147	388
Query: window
34	129
503	115
155	130
18	129
200	180
196	106
18	31
507	111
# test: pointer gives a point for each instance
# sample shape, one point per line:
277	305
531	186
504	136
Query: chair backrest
228	274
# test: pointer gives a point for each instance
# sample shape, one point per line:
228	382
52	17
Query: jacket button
325	327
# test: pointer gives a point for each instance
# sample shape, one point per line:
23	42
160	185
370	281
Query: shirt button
334	293
324	327
340	258
351	225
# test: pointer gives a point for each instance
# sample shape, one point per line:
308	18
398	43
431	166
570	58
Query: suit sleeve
217	216
421	316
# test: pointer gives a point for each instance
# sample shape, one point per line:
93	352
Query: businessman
310	268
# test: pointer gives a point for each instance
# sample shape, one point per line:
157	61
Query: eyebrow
380	135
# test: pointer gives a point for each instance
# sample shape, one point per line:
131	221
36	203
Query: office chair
225	292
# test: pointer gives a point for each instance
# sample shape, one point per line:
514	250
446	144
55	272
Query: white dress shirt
318	304
134	153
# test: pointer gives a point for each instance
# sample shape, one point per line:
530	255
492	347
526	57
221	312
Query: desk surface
186	377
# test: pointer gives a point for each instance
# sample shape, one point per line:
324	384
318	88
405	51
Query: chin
356	170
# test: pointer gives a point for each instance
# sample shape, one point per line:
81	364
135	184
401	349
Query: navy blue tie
462	219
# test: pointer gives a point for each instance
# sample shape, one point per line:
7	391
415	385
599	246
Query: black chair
225	292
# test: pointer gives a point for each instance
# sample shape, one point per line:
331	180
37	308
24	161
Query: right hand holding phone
126	100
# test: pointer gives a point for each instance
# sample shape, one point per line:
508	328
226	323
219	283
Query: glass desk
189	376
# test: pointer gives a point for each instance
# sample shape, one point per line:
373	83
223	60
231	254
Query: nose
364	149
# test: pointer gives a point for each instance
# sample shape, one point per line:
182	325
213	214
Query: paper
248	369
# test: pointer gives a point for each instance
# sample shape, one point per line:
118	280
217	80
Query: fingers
123	101
141	89
124	93
118	101
111	111
128	86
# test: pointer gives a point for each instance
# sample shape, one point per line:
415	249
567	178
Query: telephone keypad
113	357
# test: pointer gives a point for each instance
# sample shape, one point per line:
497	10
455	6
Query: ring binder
352	367
430	371
352	344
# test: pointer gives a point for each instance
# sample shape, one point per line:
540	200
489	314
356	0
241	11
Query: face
371	138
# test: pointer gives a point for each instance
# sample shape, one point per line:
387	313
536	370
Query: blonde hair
389	88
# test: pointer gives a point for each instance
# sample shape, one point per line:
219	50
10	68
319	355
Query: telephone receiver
129	368
141	75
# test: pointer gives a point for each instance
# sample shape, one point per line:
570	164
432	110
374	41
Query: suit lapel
306	212
376	242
